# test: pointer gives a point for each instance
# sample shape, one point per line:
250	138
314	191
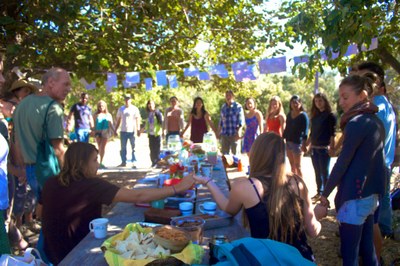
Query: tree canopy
91	38
331	26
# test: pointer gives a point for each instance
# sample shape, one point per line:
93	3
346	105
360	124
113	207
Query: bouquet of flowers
176	170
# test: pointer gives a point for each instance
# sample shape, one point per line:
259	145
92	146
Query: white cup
99	227
208	207
186	208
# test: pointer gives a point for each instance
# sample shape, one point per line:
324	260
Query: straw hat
22	83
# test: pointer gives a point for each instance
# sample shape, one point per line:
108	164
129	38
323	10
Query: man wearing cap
230	124
128	116
83	119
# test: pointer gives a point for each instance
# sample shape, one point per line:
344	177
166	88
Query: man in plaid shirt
230	124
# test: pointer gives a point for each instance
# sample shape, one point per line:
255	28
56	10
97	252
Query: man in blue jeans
128	116
83	119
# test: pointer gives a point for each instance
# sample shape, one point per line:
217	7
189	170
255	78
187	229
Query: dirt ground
325	246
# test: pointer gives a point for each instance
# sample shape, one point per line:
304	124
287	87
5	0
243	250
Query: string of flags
242	71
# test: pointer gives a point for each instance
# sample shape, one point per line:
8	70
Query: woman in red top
198	120
275	119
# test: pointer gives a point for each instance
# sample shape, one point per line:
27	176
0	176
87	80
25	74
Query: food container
192	225
191	254
219	219
171	238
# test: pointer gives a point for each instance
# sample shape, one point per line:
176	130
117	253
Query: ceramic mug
99	227
208	207
186	208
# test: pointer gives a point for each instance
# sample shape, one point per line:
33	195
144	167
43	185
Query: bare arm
150	194
58	146
311	224
210	123
231	205
282	120
260	121
187	125
117	123
91	122
70	121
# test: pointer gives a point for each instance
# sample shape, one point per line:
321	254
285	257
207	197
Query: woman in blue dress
254	124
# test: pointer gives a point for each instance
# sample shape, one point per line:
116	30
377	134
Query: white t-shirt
128	117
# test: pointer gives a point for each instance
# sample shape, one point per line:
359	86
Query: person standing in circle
254	124
295	133
199	120
128	116
275	120
173	122
104	128
322	140
154	130
358	171
83	119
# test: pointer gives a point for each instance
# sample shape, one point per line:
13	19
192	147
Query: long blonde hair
267	164
280	108
75	162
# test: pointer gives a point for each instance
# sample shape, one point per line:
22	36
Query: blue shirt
232	118
388	117
82	115
3	173
359	169
296	129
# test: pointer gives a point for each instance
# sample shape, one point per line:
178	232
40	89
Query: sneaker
134	166
122	165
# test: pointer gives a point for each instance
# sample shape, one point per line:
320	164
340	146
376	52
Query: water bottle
174	143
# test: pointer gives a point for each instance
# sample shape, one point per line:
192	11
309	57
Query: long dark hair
314	110
203	109
156	111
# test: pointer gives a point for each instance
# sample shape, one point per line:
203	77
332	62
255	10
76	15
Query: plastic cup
208	207
99	227
158	204
206	170
212	157
186	208
193	225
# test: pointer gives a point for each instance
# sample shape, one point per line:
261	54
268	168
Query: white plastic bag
27	260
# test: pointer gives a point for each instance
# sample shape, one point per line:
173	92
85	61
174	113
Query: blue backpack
258	252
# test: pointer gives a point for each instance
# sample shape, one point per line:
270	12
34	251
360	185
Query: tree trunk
388	58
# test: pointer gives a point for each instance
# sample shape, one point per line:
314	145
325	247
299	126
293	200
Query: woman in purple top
254	124
198	120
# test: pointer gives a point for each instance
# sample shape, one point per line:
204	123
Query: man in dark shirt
83	118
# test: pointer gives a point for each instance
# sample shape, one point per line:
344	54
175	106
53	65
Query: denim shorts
356	211
294	147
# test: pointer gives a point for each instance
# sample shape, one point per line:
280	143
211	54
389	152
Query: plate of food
138	245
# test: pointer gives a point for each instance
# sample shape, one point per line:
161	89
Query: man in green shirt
29	117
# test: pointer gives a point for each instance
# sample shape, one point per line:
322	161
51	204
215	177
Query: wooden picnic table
88	251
